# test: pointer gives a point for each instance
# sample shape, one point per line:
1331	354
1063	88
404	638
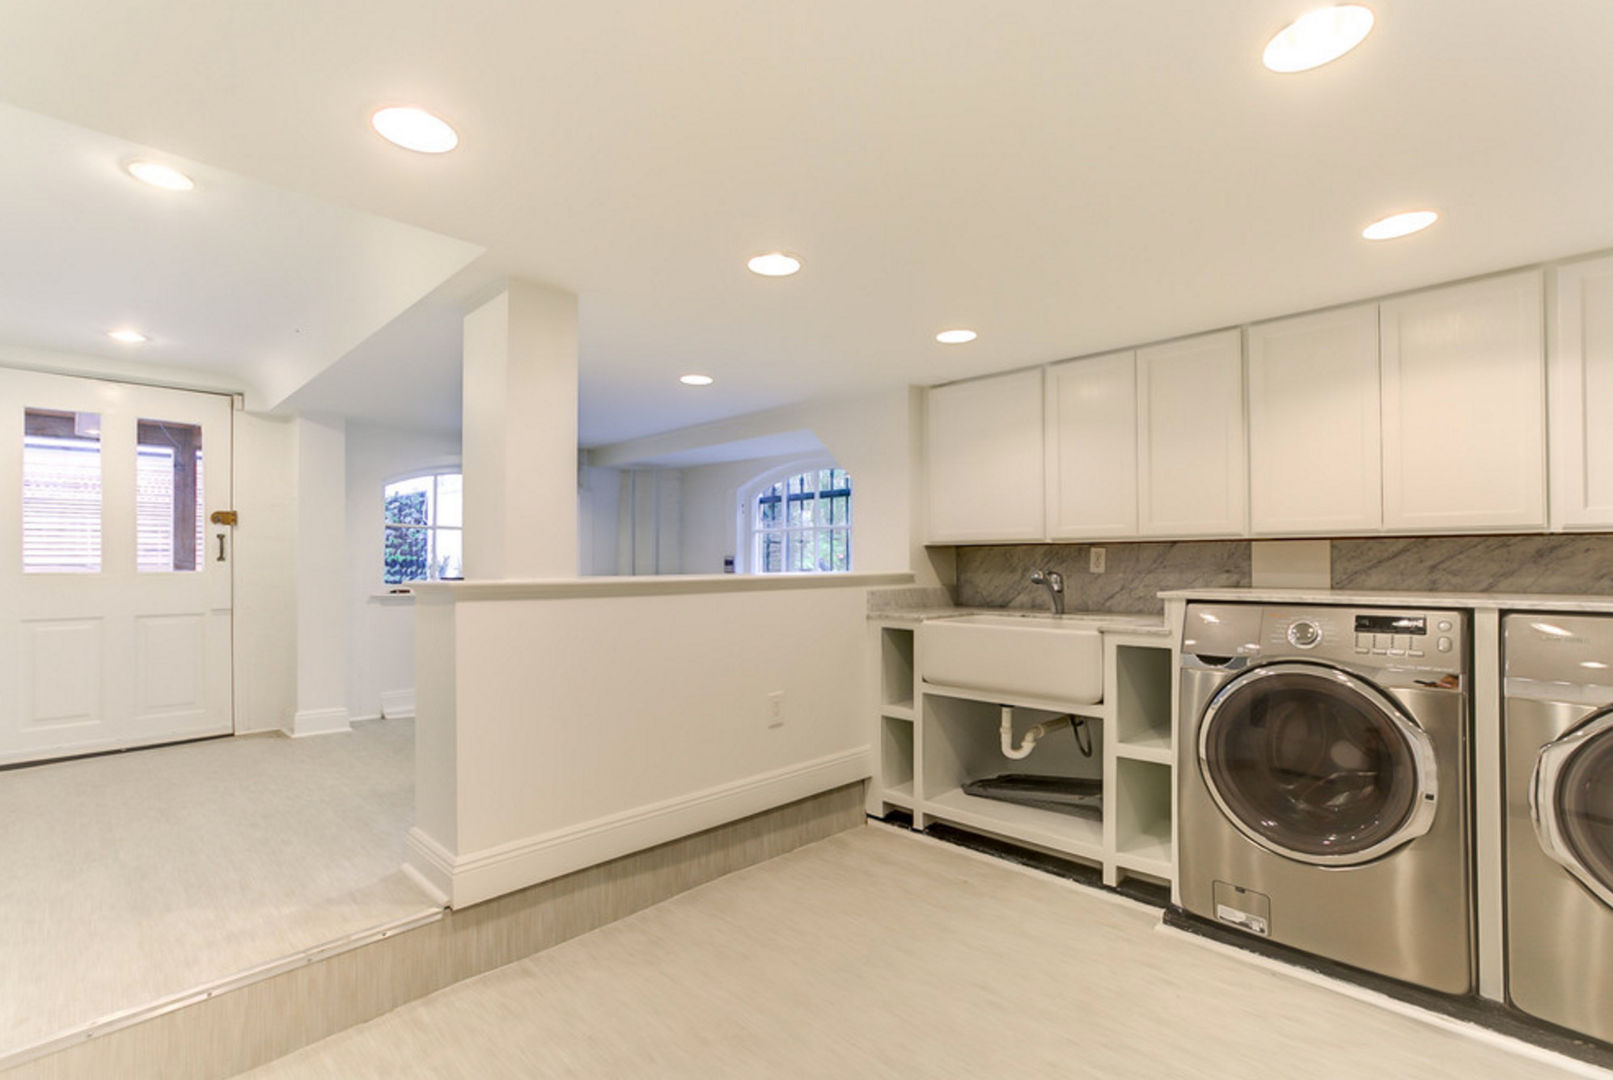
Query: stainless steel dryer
1558	771
1323	783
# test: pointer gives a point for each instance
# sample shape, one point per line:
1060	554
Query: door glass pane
61	492
168	497
1310	764
450	500
1584	803
448	558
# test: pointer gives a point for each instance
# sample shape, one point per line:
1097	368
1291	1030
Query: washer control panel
1418	640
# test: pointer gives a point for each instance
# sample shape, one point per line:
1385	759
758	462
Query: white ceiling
237	281
1062	176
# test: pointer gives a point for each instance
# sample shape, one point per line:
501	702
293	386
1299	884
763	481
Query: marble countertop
1105	621
1485	601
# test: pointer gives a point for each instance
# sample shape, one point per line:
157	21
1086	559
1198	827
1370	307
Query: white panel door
1464	441
1192	478
114	590
983	459
1315	462
1579	377
1092	447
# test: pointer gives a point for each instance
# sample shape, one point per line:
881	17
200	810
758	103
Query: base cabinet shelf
947	740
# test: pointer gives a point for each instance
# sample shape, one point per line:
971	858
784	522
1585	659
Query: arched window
801	523
425	518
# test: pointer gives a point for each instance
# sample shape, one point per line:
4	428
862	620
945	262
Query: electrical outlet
775	709
1097	560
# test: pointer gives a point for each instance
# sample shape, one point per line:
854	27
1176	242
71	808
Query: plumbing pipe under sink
1035	733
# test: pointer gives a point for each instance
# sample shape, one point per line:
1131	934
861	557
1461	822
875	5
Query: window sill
399	595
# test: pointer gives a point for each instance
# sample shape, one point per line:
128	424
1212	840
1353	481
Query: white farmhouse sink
1026	656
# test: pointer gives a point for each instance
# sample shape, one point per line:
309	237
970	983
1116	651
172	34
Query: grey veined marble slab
999	576
1574	565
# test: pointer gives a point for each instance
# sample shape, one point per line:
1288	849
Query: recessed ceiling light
696	380
1396	225
956	337
159	175
414	129
127	336
774	264
1317	37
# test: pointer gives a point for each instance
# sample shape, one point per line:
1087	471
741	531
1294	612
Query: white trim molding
482	875
398	704
305	722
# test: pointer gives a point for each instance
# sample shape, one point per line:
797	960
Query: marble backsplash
997	576
1578	564
1134	576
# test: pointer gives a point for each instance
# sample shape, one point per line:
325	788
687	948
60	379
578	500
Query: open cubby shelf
935	739
896	667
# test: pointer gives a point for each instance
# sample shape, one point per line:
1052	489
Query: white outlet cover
1097	560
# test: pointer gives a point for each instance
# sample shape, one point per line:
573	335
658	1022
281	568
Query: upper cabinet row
1425	413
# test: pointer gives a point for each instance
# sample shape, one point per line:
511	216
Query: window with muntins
802	524
425	517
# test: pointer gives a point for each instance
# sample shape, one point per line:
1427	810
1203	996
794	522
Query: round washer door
1317	765
1571	800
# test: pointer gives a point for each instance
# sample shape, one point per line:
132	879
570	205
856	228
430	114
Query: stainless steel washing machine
1558	768
1323	791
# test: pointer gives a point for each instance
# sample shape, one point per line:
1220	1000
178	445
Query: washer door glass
1310	763
1583	802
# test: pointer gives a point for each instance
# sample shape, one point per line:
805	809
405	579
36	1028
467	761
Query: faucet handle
1055	580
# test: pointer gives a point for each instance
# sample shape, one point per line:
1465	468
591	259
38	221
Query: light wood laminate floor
879	954
133	877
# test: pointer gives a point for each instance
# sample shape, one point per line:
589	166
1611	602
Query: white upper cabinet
1192	479
1580	378
1314	452
983	459
1092	447
1464	407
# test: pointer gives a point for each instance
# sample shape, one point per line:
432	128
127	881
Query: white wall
562	725
380	631
264	547
599	493
321	573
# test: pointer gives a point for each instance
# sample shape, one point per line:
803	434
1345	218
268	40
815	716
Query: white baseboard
481	875
306	722
398	704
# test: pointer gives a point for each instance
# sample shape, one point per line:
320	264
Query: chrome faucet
1053	582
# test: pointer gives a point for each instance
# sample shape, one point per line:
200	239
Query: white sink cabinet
943	686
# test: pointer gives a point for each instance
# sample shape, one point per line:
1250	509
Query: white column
520	435
321	562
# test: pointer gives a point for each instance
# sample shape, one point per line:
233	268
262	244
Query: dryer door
1571	801
1316	764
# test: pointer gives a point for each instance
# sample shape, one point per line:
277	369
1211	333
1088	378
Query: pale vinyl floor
879	954
132	877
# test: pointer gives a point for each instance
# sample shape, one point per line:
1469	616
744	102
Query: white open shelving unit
934	739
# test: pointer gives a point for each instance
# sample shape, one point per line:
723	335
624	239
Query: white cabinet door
1191	474
1580	381
1464	442
983	459
1092	447
1314	449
